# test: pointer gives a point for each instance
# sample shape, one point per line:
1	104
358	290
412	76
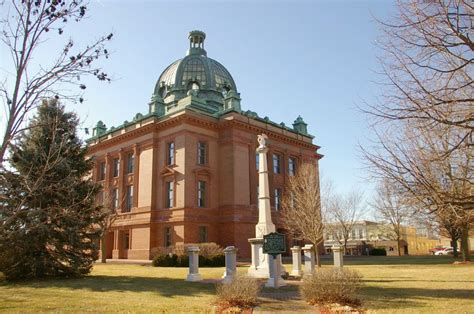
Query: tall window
201	194
277	199
291	166
201	153
169	194
115	201
130	162
102	170
126	240
353	233
129	198
257	161
167	237
361	234
170	157
116	167
276	163
202	234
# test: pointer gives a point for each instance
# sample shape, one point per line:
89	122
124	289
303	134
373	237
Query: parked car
446	251
437	249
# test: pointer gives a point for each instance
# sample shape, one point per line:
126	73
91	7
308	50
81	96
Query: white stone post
230	264
193	275
296	269
337	252
274	280
309	261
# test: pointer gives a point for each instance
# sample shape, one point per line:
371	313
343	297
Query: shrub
210	255
164	260
328	286
209	250
242	292
378	252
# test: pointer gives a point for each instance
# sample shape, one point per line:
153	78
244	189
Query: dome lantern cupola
196	43
195	81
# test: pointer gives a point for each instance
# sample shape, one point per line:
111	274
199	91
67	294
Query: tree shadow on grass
377	298
416	280
167	287
394	260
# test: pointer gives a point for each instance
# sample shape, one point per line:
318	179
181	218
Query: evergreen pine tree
48	216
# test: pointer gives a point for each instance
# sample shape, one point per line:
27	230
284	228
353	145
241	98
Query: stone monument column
260	263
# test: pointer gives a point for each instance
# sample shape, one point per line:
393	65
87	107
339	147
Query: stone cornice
191	118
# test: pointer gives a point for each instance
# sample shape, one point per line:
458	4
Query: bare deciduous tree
301	206
110	212
417	161
450	228
427	66
424	120
26	26
343	211
391	207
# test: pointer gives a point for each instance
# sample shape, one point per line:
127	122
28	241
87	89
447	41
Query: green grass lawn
392	284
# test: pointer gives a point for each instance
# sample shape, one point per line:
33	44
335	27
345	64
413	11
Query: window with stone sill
201	153
170	154
291	166
169	194
202	234
115	198
277	199
201	195
129	199
130	163
126	240
102	170
116	167
276	163
167	237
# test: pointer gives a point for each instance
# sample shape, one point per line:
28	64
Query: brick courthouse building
186	172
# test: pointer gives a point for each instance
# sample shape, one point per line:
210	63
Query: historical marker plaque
274	244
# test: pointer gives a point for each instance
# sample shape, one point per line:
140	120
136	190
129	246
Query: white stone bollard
193	275
309	261
230	264
274	280
296	269
337	252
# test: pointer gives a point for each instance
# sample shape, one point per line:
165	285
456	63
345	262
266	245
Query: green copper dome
204	77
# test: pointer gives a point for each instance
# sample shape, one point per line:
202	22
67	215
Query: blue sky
288	58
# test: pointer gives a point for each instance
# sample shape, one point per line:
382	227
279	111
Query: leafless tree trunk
343	212
391	208
26	25
301	206
111	214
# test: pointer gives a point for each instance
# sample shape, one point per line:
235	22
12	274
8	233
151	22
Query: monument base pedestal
275	280
193	277
259	266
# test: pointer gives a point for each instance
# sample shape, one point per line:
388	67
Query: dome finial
196	42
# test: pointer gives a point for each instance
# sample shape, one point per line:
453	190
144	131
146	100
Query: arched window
194	70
